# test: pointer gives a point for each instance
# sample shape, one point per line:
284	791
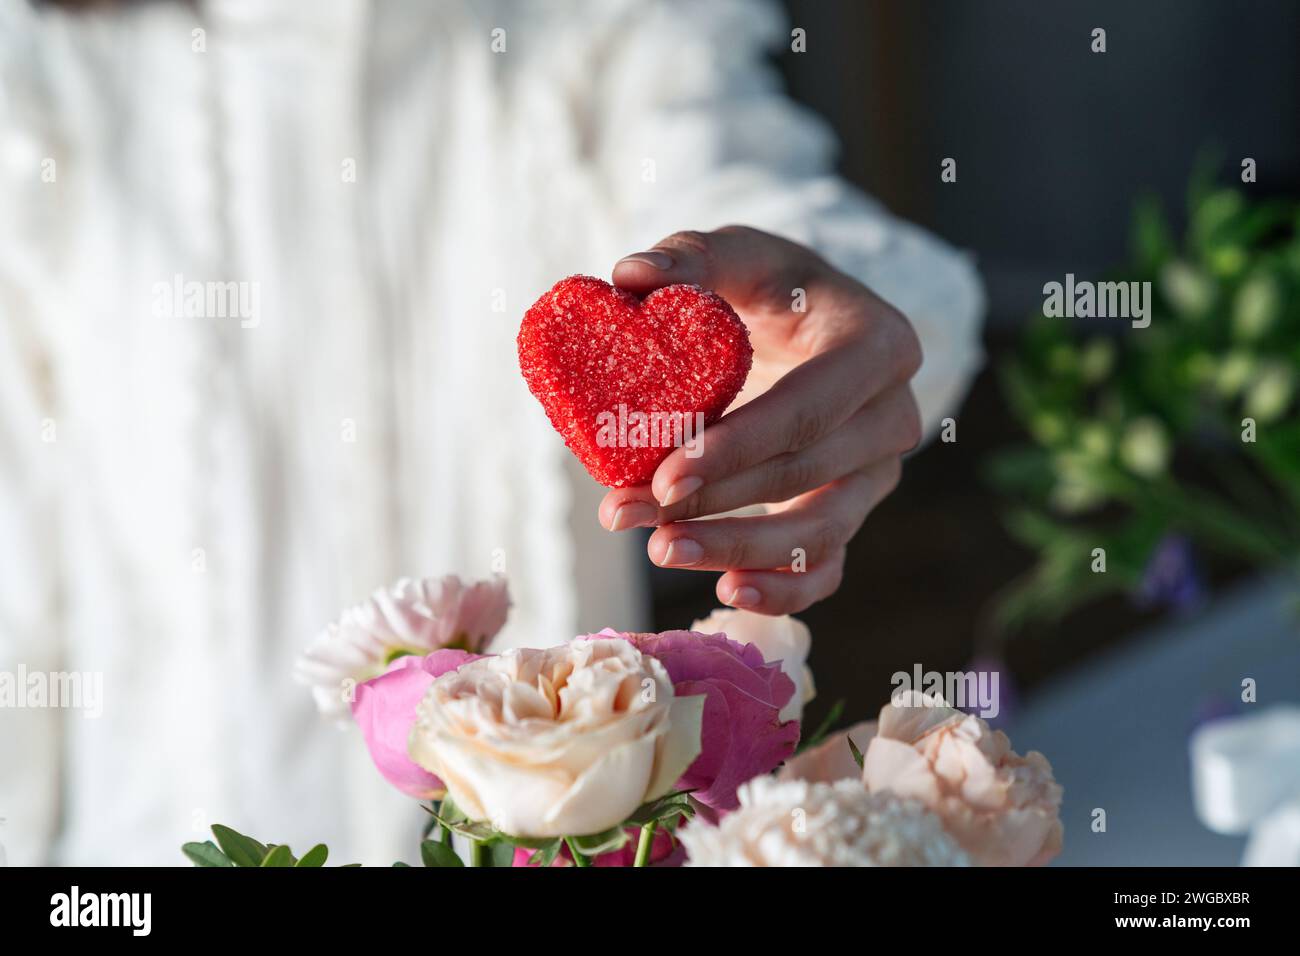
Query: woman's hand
817	435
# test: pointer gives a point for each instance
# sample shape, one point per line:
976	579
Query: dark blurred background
1054	144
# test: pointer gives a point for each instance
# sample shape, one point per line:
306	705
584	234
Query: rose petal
679	749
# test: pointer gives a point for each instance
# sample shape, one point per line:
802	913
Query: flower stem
578	858
645	844
477	853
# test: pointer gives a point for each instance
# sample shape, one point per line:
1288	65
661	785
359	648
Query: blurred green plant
1185	431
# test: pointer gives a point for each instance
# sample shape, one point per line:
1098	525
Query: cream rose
560	741
781	640
798	823
1003	809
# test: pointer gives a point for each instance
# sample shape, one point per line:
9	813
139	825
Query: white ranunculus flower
797	823
781	640
410	617
557	741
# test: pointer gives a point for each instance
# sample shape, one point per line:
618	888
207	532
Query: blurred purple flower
1007	694
1171	578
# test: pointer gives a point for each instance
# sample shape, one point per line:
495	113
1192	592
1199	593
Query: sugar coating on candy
594	355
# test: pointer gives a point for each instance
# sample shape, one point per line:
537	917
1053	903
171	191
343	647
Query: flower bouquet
623	749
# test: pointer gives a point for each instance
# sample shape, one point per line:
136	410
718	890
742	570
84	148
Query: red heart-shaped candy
625	380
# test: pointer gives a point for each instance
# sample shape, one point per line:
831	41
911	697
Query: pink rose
781	640
1003	809
384	709
742	734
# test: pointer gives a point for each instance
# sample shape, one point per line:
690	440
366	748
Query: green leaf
823	728
470	829
242	850
316	856
1201	181
501	854
431	824
400	863
546	854
594	844
279	856
853	749
437	854
668	807
528	843
206	854
1151	239
447	812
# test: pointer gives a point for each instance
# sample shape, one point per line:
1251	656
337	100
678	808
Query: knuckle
734	457
737	231
776	286
730	454
891	475
910	426
692	241
733	552
910	355
834	573
828	536
798	594
694	506
789	475
786	265
809	424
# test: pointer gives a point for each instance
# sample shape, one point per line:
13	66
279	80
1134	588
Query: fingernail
682	553
653	258
681	488
744	597
634	514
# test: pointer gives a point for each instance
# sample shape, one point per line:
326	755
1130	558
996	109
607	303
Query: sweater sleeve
30	645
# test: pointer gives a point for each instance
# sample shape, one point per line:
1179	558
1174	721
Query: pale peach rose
797	823
781	640
557	741
1003	809
831	760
